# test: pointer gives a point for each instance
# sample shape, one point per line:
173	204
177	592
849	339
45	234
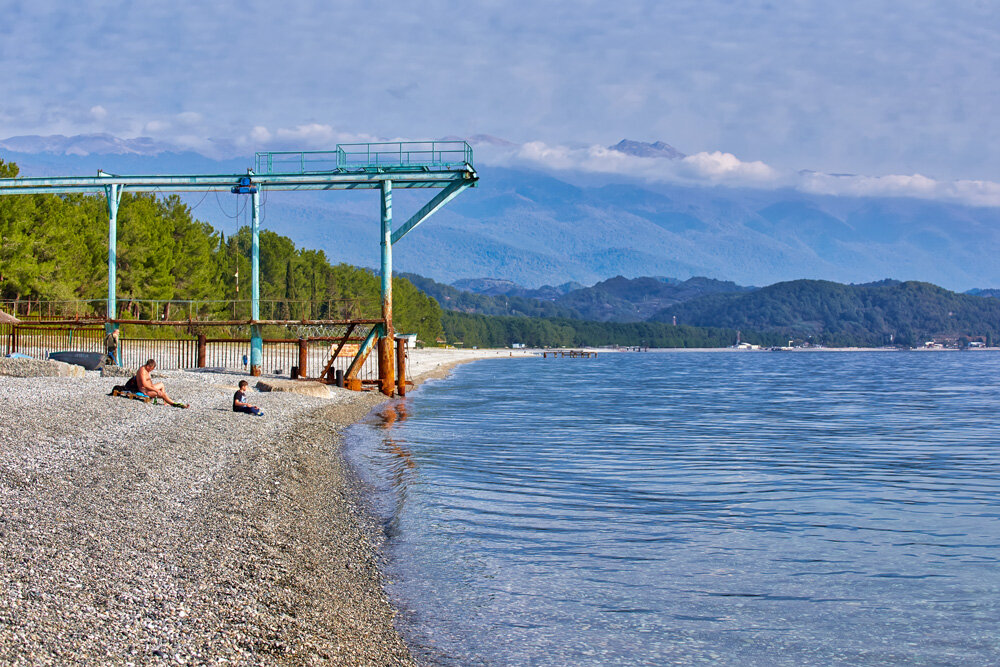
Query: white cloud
309	136
189	118
98	112
260	135
718	168
724	166
715	168
973	193
156	126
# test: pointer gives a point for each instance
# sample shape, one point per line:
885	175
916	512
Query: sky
900	95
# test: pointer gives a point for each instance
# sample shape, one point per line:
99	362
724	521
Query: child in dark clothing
239	401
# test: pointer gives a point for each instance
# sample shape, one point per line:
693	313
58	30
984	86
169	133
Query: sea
695	507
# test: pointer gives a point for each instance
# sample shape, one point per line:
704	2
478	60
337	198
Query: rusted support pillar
303	357
401	366
202	350
386	372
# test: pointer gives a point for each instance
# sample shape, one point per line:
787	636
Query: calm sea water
696	507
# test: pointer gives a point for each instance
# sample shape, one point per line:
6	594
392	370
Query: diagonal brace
431	207
363	352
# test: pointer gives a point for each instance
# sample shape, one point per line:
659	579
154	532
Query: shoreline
139	533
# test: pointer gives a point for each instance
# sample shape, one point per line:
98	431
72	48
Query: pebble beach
133	533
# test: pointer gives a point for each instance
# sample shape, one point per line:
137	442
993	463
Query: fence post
202	349
303	357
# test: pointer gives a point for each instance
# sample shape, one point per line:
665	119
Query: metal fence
182	353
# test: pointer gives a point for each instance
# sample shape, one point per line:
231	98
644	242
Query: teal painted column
386	367
114	195
256	340
387	252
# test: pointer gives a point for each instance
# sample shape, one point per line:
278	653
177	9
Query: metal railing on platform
428	155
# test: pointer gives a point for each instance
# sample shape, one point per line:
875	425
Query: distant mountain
621	299
615	300
487	286
988	292
452	298
904	312
497	286
83	144
532	229
643	149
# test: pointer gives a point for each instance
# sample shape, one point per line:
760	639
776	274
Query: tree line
473	330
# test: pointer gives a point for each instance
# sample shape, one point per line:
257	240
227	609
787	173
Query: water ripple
795	509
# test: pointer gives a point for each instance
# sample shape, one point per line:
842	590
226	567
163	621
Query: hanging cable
238	209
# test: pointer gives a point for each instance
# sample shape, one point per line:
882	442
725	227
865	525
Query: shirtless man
144	383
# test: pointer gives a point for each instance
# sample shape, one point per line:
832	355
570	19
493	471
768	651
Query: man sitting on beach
239	401
143	382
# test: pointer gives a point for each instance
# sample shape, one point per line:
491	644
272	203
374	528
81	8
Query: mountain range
886	312
536	228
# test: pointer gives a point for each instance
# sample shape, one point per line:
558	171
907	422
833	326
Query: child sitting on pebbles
239	401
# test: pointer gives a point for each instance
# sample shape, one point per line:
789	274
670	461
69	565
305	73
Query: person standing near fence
111	346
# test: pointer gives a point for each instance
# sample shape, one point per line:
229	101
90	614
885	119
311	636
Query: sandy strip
435	363
133	533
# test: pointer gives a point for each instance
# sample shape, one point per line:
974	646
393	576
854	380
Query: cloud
970	192
724	166
715	168
308	136
719	168
98	112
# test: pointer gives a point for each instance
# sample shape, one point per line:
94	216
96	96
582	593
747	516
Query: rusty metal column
303	358
386	372
401	366
202	350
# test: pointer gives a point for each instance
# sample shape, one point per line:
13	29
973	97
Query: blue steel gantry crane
443	165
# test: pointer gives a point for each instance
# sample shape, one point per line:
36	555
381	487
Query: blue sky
759	90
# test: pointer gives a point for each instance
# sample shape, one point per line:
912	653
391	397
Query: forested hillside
905	313
499	331
617	299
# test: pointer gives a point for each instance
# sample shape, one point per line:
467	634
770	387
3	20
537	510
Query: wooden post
401	366
202	350
303	357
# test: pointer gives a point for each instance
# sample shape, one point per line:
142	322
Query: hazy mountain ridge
617	299
872	314
656	149
498	287
534	229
